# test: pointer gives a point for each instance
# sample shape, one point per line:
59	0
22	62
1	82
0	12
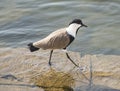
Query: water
24	21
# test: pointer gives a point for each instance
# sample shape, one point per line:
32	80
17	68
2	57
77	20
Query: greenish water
23	21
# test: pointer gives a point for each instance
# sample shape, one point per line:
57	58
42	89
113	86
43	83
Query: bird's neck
72	29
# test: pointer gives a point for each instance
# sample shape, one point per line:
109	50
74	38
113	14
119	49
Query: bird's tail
32	48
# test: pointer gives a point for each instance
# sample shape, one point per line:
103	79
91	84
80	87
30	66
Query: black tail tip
32	48
30	44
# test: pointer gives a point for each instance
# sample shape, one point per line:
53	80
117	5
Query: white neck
72	29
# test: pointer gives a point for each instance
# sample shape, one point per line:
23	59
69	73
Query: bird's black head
78	21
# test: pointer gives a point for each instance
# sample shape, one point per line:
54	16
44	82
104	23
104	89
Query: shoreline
22	70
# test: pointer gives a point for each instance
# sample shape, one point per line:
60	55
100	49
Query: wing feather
56	40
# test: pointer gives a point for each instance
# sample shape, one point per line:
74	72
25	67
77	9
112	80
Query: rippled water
23	21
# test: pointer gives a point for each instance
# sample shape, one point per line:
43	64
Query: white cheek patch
72	29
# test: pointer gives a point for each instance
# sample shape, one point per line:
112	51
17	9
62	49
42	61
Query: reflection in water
53	80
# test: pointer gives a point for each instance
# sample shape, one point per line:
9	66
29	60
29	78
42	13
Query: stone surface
21	70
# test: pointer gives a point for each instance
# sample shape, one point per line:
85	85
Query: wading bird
59	39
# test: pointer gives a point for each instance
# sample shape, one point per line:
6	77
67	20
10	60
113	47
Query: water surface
23	21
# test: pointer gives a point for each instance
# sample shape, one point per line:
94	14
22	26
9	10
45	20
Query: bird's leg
50	57
71	59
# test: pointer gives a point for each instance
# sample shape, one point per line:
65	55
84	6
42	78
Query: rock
102	71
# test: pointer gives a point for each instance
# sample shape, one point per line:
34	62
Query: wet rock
101	71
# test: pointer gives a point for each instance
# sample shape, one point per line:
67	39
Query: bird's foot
82	69
50	64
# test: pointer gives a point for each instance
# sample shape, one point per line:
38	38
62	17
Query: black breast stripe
71	40
77	31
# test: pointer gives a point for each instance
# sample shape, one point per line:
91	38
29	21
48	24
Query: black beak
83	25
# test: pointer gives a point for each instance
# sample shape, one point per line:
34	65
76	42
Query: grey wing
58	41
